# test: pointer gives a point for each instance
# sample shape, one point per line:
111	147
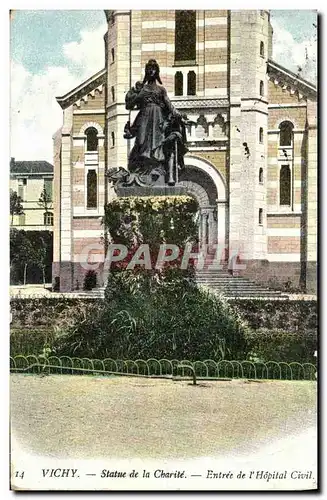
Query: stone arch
87	125
287	118
208	167
213	215
198	192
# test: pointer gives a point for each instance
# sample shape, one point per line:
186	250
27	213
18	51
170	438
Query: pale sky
52	51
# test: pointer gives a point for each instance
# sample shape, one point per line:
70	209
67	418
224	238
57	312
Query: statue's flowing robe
155	107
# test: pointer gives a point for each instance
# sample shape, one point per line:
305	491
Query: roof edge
62	100
292	75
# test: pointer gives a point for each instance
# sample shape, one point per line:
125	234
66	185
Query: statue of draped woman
159	129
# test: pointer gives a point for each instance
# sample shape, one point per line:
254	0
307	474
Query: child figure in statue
130	130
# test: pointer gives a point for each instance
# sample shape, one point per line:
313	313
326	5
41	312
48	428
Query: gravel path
82	417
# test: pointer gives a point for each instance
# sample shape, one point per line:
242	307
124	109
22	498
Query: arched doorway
202	180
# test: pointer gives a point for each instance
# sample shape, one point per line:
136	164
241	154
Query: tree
22	251
27	255
40	257
45	201
16	207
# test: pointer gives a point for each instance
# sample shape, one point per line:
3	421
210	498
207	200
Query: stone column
312	196
66	251
211	223
221	227
184	82
204	216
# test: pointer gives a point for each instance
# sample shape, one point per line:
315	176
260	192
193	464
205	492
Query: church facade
252	140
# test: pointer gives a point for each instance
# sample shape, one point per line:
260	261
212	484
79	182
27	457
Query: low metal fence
164	368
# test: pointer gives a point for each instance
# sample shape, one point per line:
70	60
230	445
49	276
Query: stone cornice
288	80
200	103
81	92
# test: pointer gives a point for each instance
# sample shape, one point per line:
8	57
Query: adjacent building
252	161
29	179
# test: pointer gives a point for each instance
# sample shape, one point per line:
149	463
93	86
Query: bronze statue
159	129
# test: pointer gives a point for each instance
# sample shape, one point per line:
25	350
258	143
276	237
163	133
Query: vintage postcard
163	250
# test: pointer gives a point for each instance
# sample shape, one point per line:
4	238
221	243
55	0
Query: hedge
288	315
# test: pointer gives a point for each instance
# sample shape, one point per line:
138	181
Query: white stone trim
158	24
86	125
211	21
89	111
170	71
284	257
152	47
212	44
277	160
222	92
283	231
79	165
81	211
206	166
88	233
288	105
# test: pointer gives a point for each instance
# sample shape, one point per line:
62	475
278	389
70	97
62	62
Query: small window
48	218
24	182
261	175
260	216
91	139
261	135
92	189
113	139
112	55
262	49
178	83
285	185
113	94
286	134
191	83
262	88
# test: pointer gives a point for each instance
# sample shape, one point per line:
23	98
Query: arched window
92	189
262	88
262	49
178	83
285	185
260	216
48	218
261	175
113	139
286	134
112	55
91	139
113	94
185	35
191	83
261	135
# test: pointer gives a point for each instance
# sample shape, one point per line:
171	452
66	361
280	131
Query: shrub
287	315
148	315
90	280
30	340
278	345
